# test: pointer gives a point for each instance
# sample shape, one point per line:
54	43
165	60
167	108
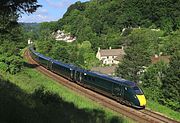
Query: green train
124	91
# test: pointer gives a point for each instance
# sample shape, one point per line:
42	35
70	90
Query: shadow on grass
28	65
42	106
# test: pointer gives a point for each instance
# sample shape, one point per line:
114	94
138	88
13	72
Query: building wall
107	60
98	55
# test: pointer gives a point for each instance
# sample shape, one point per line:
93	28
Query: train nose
142	100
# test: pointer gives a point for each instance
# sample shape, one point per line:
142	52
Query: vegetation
11	35
37	98
101	22
79	54
155	106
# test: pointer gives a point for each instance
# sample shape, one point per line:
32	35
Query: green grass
163	110
30	80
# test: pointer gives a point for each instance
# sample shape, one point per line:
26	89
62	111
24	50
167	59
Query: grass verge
163	110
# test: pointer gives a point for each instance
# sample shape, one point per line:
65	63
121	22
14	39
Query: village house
110	56
29	41
62	36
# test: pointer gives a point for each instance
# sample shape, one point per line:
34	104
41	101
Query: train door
118	92
72	74
50	64
75	76
80	77
122	92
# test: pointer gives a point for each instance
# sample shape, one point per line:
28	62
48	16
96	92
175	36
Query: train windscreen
137	90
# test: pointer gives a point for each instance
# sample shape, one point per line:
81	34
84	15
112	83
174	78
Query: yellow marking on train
141	99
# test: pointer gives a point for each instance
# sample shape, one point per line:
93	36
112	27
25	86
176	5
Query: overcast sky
52	10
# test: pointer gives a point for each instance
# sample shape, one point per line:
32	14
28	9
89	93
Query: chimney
122	47
99	48
156	56
110	48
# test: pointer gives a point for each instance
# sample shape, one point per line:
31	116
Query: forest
145	28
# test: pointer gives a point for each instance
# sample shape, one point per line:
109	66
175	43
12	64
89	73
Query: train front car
139	98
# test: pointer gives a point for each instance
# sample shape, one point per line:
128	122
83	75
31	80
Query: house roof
112	52
118	58
165	59
105	70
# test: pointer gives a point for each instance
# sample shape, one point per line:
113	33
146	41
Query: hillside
101	21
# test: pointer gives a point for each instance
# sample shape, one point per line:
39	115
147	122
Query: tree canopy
11	33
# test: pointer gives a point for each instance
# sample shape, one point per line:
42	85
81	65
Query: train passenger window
137	90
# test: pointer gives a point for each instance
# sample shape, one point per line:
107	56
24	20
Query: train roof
44	57
62	64
117	80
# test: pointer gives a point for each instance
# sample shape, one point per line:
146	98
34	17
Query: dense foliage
79	54
11	35
101	21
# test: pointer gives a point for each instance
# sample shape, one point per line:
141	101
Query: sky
51	10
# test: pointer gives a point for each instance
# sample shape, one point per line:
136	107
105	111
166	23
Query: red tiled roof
165	59
105	70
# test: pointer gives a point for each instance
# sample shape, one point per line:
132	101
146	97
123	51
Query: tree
141	45
11	36
152	81
19	6
10	10
171	83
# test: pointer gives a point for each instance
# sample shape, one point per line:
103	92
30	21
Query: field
30	96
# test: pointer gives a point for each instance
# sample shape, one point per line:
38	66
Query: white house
29	41
62	36
110	56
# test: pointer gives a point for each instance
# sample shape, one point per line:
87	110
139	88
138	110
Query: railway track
141	116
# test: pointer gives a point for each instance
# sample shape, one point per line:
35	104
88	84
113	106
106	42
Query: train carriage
44	61
34	54
62	69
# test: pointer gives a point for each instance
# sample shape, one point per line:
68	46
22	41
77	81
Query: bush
3	66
